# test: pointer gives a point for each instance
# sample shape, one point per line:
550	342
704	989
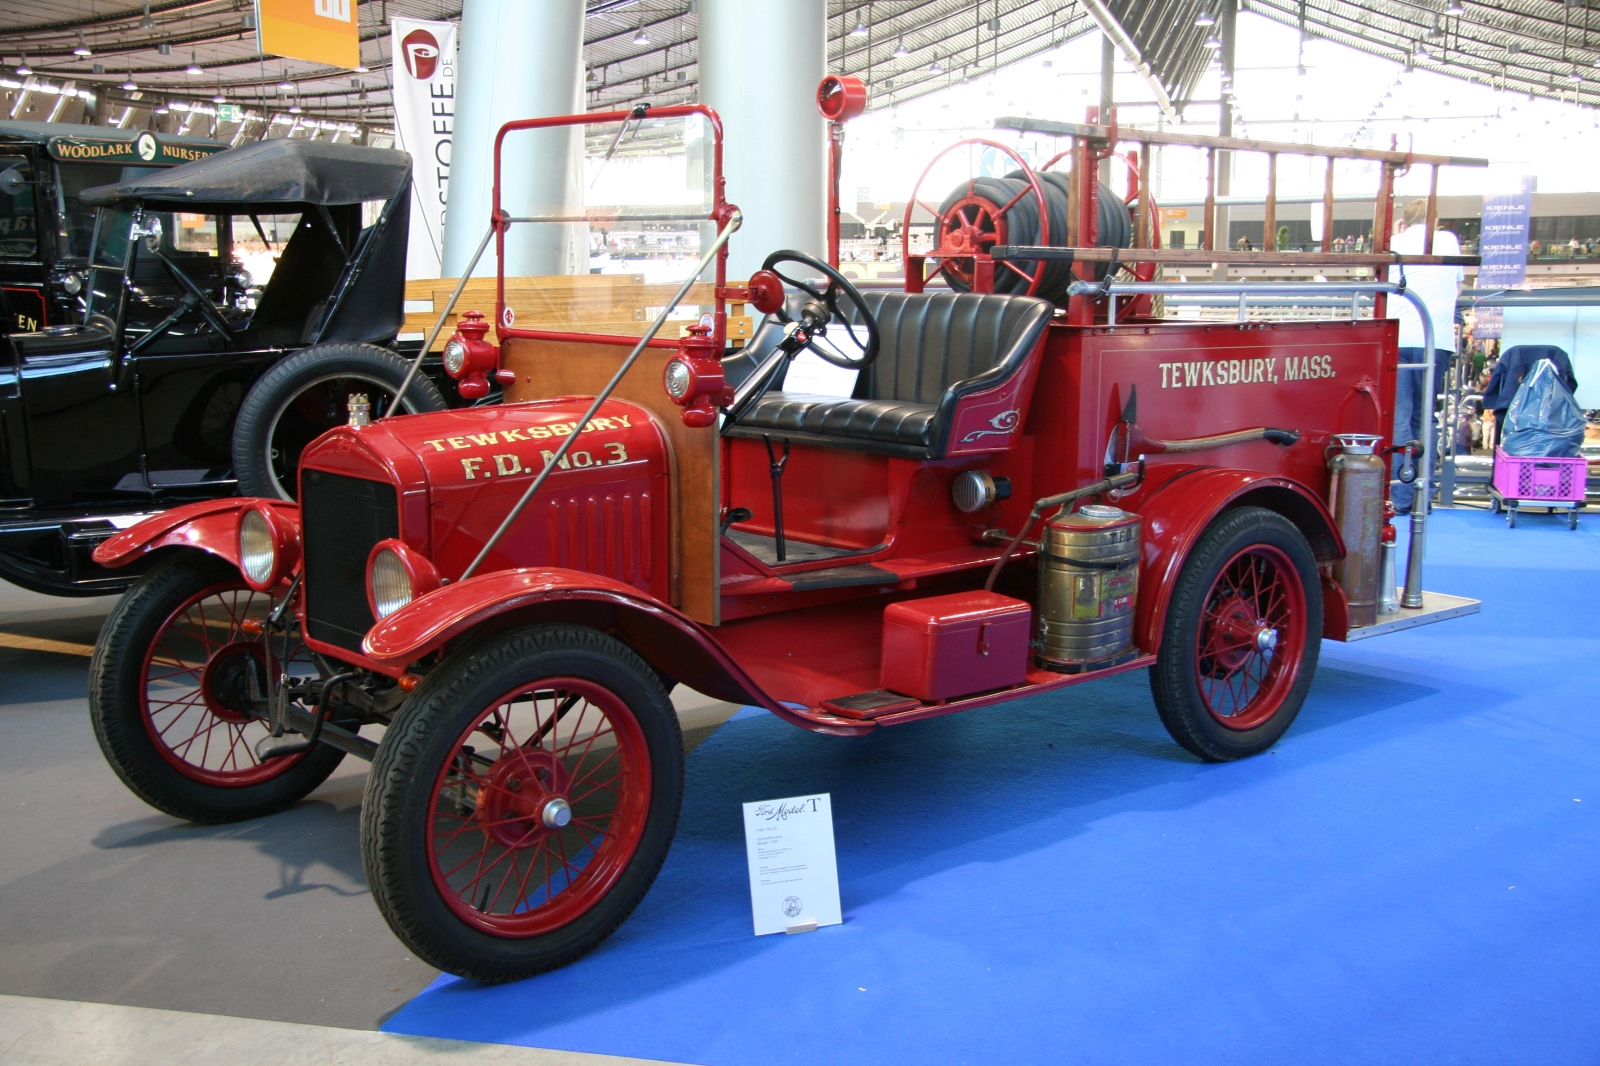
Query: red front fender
663	636
210	525
1178	512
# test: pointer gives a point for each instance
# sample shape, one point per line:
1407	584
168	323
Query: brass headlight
258	549
389	583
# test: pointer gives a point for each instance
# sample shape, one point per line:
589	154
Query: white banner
424	122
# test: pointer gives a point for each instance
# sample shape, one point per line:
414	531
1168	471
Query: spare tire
306	395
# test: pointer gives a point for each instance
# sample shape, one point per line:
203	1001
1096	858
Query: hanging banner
424	120
1503	252
317	31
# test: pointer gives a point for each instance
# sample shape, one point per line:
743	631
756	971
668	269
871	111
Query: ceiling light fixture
219	99
936	67
129	84
362	69
23	68
83	48
1213	43
861	28
642	36
194	65
147	23
162	108
1205	19
1455	9
900	50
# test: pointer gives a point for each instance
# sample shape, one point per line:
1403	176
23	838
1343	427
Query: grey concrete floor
104	899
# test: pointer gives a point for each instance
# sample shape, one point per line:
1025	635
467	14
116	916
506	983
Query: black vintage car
231	307
45	227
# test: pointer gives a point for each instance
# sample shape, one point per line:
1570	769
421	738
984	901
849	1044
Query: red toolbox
955	645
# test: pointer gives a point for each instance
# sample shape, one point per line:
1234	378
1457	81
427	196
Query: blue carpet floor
1412	876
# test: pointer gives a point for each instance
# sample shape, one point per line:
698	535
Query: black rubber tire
1173	680
115	674
271	396
424	734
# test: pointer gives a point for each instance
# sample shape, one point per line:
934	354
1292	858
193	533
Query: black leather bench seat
885	421
934	349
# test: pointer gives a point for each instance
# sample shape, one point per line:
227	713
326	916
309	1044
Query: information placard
794	874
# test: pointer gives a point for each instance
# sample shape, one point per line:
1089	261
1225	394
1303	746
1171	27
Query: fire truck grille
343	517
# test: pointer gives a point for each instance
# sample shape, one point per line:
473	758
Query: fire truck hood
507	443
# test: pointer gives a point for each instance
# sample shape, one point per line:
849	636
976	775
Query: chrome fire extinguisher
1355	496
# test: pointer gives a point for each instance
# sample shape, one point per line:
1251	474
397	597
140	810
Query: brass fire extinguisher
1355	496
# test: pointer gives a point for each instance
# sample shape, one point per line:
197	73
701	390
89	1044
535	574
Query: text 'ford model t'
886	506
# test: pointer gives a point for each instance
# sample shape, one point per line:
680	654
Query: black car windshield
103	294
19	228
76	219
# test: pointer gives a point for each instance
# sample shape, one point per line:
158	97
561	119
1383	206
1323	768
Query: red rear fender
1178	512
210	525
667	639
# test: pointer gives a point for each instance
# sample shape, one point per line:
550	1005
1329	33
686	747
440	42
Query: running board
1436	607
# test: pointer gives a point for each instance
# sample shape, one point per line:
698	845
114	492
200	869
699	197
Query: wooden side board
618	304
575	368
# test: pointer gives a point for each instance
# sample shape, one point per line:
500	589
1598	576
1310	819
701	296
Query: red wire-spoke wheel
170	695
197	687
522	801
541	808
1242	633
979	214
1254	606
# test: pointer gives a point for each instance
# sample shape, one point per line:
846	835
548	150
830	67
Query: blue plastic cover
1544	420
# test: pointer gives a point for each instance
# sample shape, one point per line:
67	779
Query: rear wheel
169	695
1241	638
522	802
306	395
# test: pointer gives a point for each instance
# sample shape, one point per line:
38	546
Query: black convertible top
282	170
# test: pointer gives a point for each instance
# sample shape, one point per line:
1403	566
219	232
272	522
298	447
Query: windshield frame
721	211
106	221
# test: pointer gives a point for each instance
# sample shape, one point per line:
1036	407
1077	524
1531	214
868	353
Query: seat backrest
930	341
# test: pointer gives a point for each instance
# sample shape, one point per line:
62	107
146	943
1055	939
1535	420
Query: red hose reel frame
971	240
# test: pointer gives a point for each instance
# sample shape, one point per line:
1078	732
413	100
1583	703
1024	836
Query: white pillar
519	59
760	62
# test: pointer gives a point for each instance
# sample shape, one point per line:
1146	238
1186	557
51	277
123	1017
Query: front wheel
169	695
522	802
1241	637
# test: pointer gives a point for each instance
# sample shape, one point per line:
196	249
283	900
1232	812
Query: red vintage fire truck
1012	495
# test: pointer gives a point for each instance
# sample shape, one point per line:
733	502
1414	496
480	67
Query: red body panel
460	472
210	525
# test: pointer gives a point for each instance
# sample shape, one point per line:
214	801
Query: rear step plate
1436	607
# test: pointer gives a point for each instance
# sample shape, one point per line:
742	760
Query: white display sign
794	874
424	122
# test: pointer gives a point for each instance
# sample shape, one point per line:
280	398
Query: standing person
1438	286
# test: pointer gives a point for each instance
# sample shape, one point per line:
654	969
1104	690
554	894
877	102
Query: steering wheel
208	310
823	308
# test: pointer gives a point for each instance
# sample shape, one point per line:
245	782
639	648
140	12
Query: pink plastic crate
1518	477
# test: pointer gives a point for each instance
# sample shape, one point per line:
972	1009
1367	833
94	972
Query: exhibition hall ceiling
203	53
